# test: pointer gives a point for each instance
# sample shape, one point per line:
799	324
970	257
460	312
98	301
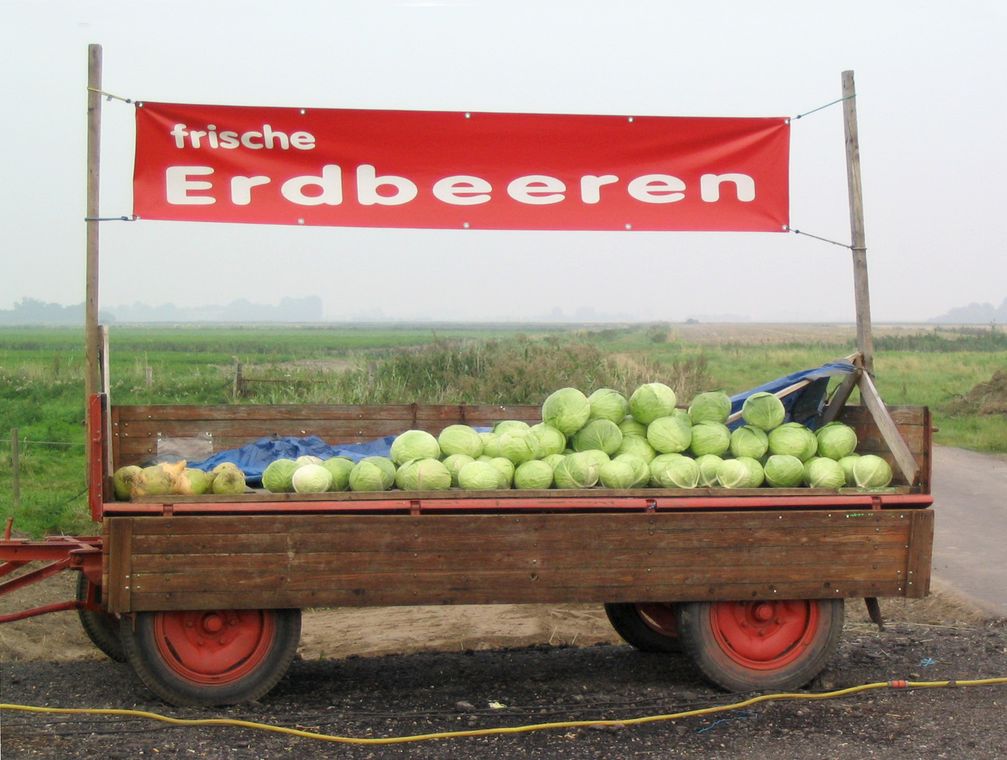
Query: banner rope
823	239
111	218
820	108
109	95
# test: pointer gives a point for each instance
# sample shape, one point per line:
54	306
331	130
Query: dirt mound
986	398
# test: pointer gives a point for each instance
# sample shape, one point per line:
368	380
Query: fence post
239	381
15	461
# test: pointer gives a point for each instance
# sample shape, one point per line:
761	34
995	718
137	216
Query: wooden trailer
202	595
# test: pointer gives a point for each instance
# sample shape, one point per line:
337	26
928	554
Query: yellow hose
506	729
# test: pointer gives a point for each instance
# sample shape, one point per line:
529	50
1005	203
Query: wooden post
92	370
239	381
15	463
865	342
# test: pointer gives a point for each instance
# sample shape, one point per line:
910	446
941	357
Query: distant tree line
32	311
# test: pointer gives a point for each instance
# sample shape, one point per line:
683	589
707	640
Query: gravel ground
427	692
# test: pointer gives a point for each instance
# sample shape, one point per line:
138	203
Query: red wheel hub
659	617
214	646
764	635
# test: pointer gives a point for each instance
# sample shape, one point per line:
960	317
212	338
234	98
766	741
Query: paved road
970	535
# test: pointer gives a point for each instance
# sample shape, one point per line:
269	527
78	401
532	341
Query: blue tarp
802	406
253	458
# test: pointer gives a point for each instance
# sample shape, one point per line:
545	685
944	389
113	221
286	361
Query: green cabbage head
674	471
821	472
278	476
763	410
651	401
712	406
794	439
671	434
535	474
641	470
548	440
608	404
567	410
578	470
784	471
311	478
339	468
617	474
414	444
708	465
709	437
847	463
454	463
479	476
423	475
460	439
871	471
749	441
637	445
122	481
603	435
836	440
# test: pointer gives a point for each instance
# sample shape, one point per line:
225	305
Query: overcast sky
931	78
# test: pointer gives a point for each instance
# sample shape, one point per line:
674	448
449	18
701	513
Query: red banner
456	170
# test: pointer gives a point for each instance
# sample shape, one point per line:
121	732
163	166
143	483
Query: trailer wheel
211	657
761	645
101	627
650	626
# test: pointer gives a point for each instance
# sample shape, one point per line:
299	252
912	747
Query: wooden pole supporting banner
92	380
865	341
92	376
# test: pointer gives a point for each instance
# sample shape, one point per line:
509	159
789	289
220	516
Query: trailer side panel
277	561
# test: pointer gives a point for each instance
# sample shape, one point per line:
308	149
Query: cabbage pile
608	440
604	439
136	483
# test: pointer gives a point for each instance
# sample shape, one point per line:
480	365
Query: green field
41	370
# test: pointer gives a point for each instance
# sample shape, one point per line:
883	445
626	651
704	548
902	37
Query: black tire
761	645
101	627
638	629
164	649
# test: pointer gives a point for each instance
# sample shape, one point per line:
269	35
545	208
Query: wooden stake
865	341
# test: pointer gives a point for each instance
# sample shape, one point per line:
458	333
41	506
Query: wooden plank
871	441
459	580
216	567
357	544
921	541
118	560
444	527
840	397
321	412
905	462
529	593
901	415
861	288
